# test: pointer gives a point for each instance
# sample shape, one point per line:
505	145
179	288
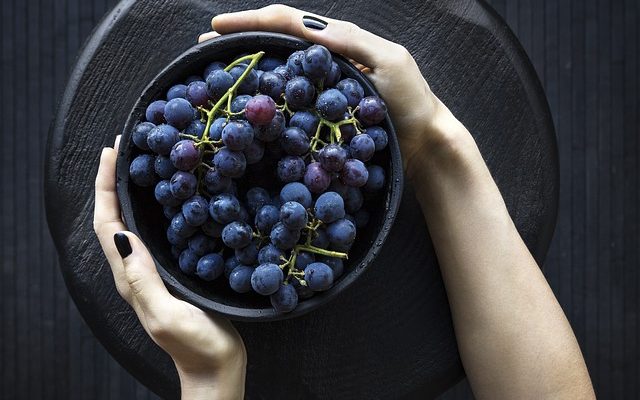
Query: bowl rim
392	199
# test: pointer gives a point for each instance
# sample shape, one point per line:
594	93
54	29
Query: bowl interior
144	216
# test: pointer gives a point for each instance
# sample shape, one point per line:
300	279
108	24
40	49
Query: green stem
318	250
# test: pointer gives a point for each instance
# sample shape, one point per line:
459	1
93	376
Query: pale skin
513	337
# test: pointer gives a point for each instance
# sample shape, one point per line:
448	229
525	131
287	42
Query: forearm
514	339
226	384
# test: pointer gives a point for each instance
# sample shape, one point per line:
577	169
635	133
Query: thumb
147	288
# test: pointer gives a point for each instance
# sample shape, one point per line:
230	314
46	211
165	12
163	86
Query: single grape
224	208
379	136
303	259
179	113
272	130
183	185
352	90
215	131
317	62
142	171
316	178
218	83
212	228
266	217
303	291
372	110
350	218
240	279
162	138
266	279
184	155
270	254
331	104
210	267
291	168
272	85
353	199
362	217
348	130
175	238
180	226
195	128
237	135
196	210
341	233
333	76
140	133
248	255
239	103
254	152
215	182
321	239
354	173
293	215
257	197
214	66
285	299
202	244
332	157
284	72
269	63
294	141
177	91
155	112
338	187
305	120
170	211
230	163
196	93
335	264
237	234
375	181
284	238
299	93
260	110
362	147
188	261
164	196
250	83
319	276
229	265
296	191
329	207
294	62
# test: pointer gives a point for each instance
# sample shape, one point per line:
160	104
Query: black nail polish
122	244
313	23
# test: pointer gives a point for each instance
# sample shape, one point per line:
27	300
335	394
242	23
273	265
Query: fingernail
313	23
122	244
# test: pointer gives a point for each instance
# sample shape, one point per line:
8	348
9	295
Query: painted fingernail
122	244
313	23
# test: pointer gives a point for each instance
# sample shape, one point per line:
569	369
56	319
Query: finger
208	36
339	36
145	284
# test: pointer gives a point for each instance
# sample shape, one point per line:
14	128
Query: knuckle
277	8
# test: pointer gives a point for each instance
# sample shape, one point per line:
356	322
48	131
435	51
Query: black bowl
144	216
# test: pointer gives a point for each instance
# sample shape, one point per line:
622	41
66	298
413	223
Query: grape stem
318	250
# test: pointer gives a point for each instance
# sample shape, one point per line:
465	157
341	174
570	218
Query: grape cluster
262	170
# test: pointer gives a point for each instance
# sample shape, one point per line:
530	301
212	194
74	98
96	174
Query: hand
420	118
208	351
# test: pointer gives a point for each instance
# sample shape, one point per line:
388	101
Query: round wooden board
390	336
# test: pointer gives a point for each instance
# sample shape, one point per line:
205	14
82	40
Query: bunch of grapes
262	170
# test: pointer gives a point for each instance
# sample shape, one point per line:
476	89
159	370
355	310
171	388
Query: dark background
586	55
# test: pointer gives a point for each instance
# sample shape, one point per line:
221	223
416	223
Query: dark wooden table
390	336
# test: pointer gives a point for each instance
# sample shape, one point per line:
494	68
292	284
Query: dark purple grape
163	195
270	254
196	210
230	264
237	234
212	228
142	170
188	261
303	291
254	152
294	62
202	244
210	267
305	120
333	76
197	93
271	131
316	178
320	239
284	238
299	93
140	133
284	72
260	110
291	168
256	198
335	264
191	79
164	167
303	259
224	208
372	110
379	136
162	138
293	215
317	62
353	199
266	217
214	66
237	135
174	238
177	91
341	233
362	147
338	187
354	173
348	130
294	141
183	185
230	163
195	128
215	131
362	218
179	113
375	181
218	83
296	191
266	279
285	299
239	103
180	226
248	255
319	276
170	211
269	63
329	207
272	85
331	104
250	83
240	279
352	90
185	156
332	157
155	112
215	182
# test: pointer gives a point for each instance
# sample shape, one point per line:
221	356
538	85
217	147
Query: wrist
224	383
